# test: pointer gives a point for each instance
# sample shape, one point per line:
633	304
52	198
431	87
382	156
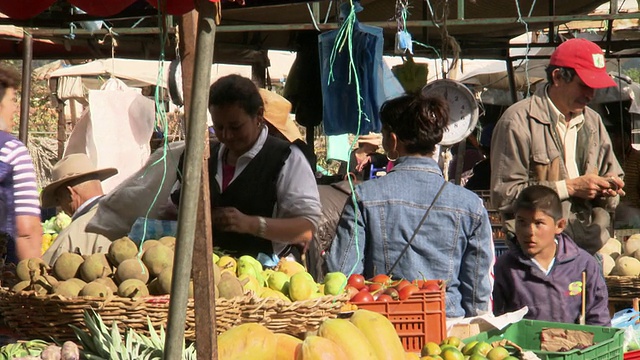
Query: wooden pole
204	297
62	120
191	191
27	56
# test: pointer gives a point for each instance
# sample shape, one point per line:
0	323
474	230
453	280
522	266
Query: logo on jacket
575	288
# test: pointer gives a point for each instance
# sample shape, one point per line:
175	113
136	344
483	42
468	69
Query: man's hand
615	186
366	161
591	186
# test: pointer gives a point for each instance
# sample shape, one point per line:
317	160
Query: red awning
26	9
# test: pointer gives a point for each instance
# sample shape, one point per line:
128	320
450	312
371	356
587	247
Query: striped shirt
25	189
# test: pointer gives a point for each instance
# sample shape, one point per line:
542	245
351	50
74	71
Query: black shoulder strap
415	232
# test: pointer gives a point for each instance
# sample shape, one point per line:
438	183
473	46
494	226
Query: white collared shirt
568	135
85	204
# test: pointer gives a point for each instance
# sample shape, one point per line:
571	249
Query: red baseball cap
587	59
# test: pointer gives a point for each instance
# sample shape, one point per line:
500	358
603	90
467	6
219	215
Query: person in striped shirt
22	209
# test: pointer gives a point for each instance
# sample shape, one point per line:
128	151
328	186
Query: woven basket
45	316
623	286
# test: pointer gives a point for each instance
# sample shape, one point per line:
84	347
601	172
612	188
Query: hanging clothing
340	96
303	88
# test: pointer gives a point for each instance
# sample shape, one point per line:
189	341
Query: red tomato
430	283
375	287
407	291
393	293
418	283
384	298
401	284
351	291
363	296
381	279
431	287
356	280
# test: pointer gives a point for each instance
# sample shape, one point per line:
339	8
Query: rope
313	18
345	37
161	119
528	47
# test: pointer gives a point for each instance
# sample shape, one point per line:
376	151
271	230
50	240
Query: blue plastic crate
500	247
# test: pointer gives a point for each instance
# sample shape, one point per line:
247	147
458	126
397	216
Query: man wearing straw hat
76	188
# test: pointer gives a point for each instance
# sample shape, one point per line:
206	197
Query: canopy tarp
137	73
26	9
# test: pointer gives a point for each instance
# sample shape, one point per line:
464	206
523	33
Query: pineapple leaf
92	357
158	341
84	338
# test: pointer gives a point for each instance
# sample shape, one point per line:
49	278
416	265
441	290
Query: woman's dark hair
9	78
236	89
566	73
539	198
417	120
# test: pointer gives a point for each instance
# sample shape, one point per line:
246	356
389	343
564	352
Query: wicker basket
623	286
32	315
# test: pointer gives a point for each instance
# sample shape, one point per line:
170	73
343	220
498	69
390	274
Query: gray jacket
75	238
526	151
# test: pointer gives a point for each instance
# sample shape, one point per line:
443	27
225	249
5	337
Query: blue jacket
555	297
453	244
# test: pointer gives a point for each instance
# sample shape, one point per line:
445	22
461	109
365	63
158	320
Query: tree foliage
43	117
634	74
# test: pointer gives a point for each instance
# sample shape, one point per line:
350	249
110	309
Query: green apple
334	283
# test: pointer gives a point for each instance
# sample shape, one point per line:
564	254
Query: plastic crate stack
499	238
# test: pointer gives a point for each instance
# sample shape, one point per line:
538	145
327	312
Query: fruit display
366	335
130	271
52	227
382	288
621	257
125	270
452	348
288	281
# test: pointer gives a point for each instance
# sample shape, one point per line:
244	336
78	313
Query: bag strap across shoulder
415	232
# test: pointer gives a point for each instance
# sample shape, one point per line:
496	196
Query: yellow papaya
247	341
380	332
411	356
287	347
319	348
352	341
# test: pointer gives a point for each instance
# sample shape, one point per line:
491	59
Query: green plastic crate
526	333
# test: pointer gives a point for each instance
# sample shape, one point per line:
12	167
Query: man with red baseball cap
552	138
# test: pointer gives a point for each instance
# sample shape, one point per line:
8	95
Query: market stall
257	312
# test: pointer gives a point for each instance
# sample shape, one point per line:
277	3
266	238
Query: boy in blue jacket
544	272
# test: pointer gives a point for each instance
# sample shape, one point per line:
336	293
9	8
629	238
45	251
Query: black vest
253	192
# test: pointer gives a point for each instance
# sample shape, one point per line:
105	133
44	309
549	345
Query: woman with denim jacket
386	223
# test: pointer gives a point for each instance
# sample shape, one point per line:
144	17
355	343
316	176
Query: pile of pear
126	270
288	281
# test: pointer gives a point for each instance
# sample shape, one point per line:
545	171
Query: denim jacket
453	244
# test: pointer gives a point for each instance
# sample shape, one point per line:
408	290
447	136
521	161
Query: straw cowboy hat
373	139
276	112
71	167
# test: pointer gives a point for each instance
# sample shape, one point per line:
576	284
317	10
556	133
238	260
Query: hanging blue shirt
340	99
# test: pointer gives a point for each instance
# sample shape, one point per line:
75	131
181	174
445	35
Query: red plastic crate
419	319
632	355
